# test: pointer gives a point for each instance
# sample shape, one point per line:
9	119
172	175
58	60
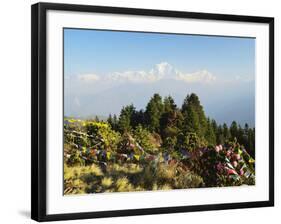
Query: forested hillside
160	147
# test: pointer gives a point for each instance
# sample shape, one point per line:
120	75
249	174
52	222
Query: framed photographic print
139	111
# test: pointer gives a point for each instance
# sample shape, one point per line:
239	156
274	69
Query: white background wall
15	109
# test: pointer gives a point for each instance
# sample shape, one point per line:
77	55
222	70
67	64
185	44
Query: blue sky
88	51
98	62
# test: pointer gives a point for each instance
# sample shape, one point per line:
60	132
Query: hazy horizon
106	70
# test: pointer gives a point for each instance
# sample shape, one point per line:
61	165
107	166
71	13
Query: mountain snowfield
224	99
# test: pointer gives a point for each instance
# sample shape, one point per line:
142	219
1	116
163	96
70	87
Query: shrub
102	135
123	185
106	182
189	180
145	139
166	173
98	159
228	165
189	142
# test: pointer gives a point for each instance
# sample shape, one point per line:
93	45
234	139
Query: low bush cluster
161	148
136	162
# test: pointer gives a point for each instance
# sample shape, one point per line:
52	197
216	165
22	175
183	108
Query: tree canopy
176	125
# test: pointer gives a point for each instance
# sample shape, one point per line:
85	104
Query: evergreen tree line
177	125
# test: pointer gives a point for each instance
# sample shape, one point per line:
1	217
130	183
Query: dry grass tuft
106	182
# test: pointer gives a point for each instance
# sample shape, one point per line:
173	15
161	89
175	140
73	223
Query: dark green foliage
170	120
138	118
220	138
188	142
194	115
234	130
214	126
145	139
165	118
246	137
125	119
170	124
191	121
170	143
110	120
113	121
226	132
154	110
210	135
169	104
250	144
161	148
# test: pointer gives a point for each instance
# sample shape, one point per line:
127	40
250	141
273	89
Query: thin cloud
159	72
89	77
245	78
162	71
203	76
133	76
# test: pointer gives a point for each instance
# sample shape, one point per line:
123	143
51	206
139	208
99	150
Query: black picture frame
38	108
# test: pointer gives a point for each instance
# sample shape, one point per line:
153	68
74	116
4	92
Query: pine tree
125	118
202	118
191	121
243	135
210	134
246	128
215	128
251	142
97	118
138	118
169	104
110	120
220	139
168	120
233	130
192	109
114	122
226	132
154	110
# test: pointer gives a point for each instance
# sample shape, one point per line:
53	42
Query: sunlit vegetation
160	148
